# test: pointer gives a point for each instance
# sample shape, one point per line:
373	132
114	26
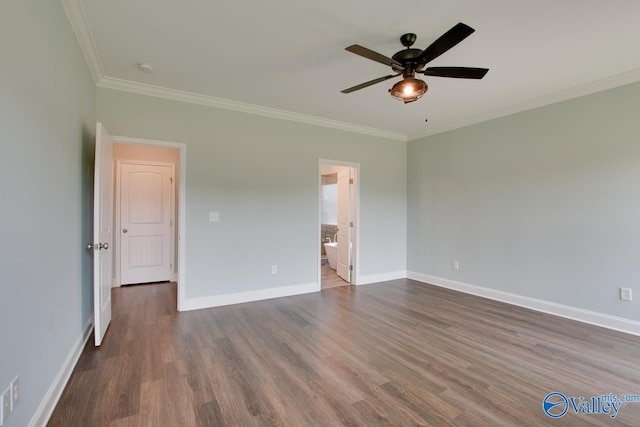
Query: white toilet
332	251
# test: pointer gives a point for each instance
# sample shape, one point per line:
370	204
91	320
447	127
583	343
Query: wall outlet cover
5	405
625	294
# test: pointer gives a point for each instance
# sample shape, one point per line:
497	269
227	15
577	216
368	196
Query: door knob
124	230
89	246
105	246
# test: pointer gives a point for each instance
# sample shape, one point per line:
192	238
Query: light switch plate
214	216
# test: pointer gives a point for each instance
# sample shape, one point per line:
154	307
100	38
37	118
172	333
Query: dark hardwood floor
399	353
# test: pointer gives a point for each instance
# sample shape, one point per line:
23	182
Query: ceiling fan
410	61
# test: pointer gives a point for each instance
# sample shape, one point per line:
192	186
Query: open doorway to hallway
145	213
338	224
105	243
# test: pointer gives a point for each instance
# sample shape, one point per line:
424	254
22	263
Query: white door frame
117	277
355	205
182	154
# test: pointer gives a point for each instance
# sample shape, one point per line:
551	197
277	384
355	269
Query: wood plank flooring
330	278
399	353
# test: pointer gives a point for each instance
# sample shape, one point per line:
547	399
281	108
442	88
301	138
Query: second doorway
337	224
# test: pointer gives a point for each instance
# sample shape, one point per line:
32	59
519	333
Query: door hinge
350	180
171	179
351	224
351	268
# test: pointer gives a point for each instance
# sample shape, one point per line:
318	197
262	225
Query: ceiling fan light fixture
408	89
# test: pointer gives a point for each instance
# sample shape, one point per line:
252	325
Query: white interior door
102	232
344	224
146	221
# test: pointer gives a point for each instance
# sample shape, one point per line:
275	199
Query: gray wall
261	174
47	99
544	203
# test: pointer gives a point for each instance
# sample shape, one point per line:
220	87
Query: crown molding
210	101
78	20
563	95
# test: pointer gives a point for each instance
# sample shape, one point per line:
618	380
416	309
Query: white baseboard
382	277
50	400
581	315
248	296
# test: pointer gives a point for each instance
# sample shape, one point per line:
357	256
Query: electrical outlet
5	405
274	269
15	392
455	265
625	294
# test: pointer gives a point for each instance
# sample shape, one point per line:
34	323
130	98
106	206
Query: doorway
338	224
103	246
148	212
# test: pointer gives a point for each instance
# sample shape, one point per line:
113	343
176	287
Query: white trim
210	101
50	399
247	296
355	260
382	277
552	98
78	21
581	315
182	203
319	228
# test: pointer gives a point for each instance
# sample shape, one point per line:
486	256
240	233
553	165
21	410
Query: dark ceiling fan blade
369	83
456	72
374	56
446	41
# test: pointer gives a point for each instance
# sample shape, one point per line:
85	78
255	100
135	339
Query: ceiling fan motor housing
407	57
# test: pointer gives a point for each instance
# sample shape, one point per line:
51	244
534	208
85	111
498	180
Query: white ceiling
289	55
